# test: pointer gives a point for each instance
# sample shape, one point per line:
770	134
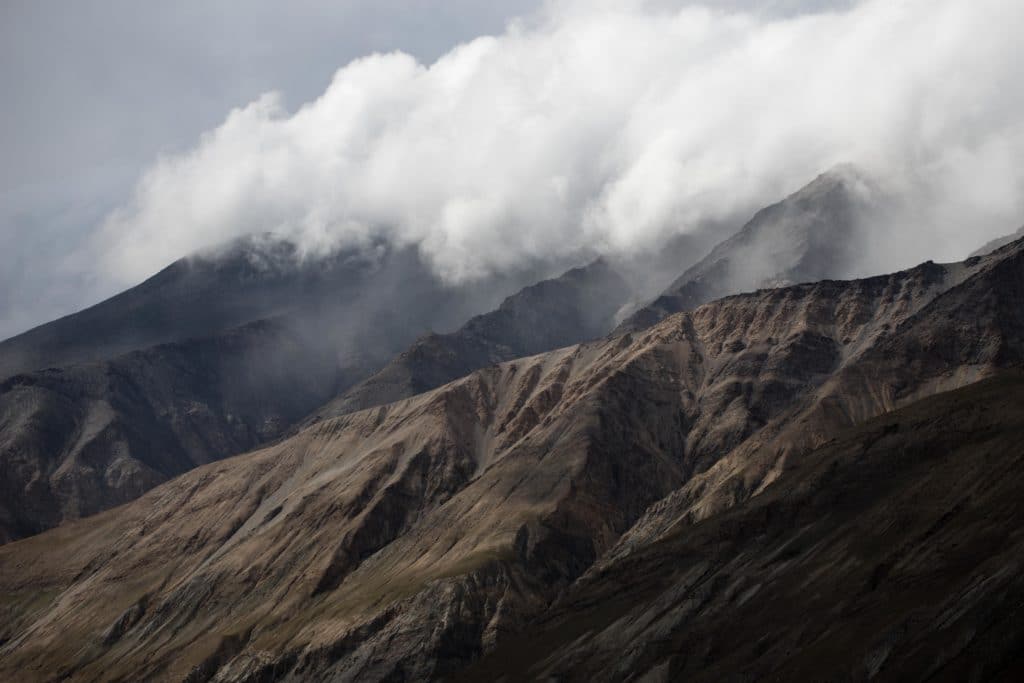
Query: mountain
577	306
84	437
79	432
367	302
198	296
999	242
817	233
734	454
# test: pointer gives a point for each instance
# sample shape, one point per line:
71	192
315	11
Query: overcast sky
136	132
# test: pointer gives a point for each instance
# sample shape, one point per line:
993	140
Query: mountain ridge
79	438
434	527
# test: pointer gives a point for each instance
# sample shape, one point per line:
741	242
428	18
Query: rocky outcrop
410	540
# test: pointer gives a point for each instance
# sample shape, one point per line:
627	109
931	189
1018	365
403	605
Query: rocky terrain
88	435
817	233
649	501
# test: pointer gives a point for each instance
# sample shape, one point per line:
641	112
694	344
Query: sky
489	134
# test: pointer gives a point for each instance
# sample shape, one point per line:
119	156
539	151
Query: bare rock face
814	234
575	307
651	499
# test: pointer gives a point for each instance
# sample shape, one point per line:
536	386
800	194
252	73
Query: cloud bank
609	126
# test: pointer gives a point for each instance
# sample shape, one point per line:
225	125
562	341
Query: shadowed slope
891	553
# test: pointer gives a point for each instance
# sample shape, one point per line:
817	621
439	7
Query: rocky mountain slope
819	232
407	541
84	437
889	553
577	306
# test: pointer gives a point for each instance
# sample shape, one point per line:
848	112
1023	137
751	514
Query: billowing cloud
609	126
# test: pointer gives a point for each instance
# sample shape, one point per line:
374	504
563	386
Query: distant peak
845	177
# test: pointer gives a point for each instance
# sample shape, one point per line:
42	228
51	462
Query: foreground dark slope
575	307
408	540
82	438
892	552
819	232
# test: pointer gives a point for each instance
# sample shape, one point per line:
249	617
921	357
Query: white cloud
610	125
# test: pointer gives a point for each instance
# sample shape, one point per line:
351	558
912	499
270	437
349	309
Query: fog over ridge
609	127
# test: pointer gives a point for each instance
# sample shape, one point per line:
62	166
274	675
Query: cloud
609	126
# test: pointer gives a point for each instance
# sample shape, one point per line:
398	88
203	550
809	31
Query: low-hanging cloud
601	126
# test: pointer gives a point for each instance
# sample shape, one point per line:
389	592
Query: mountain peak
813	234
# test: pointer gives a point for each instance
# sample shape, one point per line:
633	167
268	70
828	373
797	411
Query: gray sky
95	90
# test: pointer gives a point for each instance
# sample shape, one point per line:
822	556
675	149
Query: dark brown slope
577	306
814	234
891	553
405	541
